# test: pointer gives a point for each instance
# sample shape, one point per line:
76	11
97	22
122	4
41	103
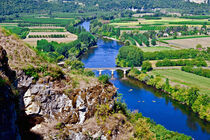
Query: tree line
194	62
197	71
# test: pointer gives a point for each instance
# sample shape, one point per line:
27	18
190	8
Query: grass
184	78
158	48
186	37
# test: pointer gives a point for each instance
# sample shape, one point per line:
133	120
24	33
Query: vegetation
185	79
104	79
21	32
141	127
146	66
175	54
189	96
195	62
59	52
47	36
129	56
197	71
43	70
156	48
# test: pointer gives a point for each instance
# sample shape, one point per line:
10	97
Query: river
142	98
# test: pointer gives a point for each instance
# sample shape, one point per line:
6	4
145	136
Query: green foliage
173	54
21	32
87	38
122	20
198	46
189	96
129	56
77	65
197	71
48	36
146	66
37	72
104	79
32	71
153	42
195	62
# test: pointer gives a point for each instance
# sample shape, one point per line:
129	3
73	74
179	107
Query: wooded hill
9	7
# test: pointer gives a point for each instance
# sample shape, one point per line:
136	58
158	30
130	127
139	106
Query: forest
15	7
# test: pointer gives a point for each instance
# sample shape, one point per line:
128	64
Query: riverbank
173	116
198	103
111	38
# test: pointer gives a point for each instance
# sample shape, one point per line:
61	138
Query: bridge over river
124	69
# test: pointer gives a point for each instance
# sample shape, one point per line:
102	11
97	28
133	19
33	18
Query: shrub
146	66
197	71
130	56
104	79
77	65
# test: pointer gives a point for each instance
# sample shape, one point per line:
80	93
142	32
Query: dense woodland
14	7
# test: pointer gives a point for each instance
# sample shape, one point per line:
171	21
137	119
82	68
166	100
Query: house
165	35
179	34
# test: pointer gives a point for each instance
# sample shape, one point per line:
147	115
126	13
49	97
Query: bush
197	71
195	62
174	54
77	65
130	56
104	79
146	66
153	42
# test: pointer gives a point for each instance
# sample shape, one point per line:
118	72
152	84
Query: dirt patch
190	43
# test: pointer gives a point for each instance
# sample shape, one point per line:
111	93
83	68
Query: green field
184	78
158	48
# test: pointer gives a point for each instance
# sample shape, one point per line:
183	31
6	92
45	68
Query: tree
130	56
77	65
146	66
118	32
153	42
198	46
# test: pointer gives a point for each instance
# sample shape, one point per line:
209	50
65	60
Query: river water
142	98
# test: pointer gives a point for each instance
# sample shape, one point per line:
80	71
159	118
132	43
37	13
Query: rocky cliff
8	117
46	104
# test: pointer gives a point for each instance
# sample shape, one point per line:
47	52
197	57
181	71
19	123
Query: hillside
54	103
14	7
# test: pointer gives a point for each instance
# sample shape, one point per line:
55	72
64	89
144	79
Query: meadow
156	48
185	79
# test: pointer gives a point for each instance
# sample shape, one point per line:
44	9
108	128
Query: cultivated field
186	79
165	21
190	43
33	41
158	48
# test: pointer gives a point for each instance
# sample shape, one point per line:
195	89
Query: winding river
150	102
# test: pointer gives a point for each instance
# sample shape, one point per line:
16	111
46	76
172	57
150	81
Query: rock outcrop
8	117
48	105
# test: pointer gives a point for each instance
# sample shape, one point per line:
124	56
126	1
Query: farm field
157	48
165	21
33	41
186	79
190	43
